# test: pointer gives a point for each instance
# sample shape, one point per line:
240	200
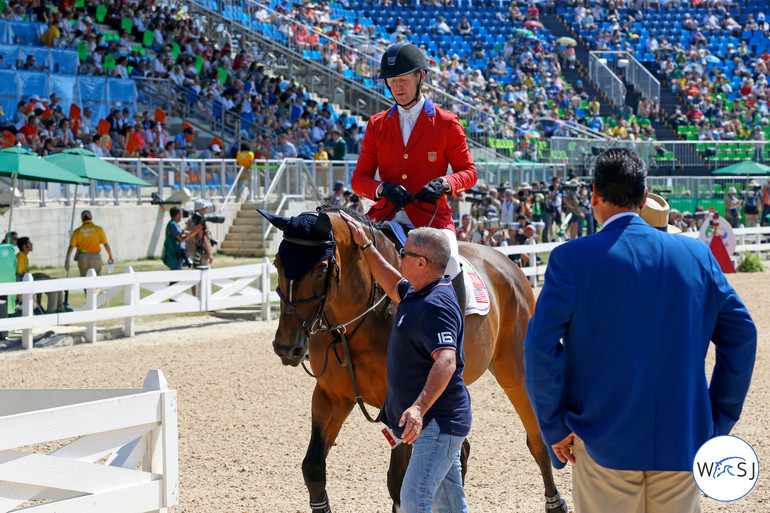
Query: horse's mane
355	214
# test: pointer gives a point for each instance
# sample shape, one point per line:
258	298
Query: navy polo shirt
426	321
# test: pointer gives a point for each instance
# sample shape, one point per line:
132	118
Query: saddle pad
477	298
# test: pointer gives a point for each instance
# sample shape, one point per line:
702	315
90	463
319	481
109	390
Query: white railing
605	80
747	240
624	63
170	292
125	426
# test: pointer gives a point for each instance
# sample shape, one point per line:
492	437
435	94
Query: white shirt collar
414	111
617	216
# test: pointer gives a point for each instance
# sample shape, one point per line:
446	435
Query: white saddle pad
477	298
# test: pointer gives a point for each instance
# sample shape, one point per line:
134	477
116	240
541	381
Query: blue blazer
616	347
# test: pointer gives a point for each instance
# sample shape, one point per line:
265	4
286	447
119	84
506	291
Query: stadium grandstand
522	81
547	84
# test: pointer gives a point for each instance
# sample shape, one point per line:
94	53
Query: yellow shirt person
22	265
88	240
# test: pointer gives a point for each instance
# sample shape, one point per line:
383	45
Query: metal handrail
635	73
230	192
606	80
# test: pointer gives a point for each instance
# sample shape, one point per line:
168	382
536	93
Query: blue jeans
433	481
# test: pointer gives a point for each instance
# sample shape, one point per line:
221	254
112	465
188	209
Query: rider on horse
412	144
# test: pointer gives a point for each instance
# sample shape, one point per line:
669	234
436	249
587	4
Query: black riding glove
396	194
432	192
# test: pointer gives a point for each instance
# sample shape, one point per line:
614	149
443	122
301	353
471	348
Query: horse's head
306	264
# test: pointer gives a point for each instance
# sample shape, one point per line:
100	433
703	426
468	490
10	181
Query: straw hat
655	213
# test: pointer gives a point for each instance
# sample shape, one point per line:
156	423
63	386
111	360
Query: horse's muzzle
290	355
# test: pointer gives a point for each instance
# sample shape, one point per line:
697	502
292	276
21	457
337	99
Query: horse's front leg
327	418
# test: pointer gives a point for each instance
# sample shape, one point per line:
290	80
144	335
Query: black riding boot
458	283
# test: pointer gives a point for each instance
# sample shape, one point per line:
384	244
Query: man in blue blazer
614	355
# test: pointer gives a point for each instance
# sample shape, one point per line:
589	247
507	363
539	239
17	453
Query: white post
162	456
27	310
204	290
91	303
533	266
265	289
131	298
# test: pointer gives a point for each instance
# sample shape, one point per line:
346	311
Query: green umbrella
87	164
745	168
20	163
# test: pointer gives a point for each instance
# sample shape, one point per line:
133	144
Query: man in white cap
212	152
88	241
508	207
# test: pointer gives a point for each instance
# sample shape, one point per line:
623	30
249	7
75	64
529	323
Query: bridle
320	322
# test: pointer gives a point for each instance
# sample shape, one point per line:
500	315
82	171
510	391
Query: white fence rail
207	290
747	239
120	429
170	292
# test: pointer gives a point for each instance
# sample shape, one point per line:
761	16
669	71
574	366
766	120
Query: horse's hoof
555	504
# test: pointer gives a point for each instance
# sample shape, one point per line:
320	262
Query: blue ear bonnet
298	256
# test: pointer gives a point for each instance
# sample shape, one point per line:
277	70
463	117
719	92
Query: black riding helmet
401	59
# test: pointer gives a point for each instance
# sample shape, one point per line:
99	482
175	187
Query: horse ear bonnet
279	222
298	259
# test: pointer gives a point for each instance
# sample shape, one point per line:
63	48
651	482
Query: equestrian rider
412	145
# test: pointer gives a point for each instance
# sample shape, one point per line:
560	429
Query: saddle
396	233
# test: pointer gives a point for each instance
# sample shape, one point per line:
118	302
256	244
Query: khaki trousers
597	489
88	261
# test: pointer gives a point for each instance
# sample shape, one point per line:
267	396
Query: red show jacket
436	142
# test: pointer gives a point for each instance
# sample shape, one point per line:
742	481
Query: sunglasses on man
405	254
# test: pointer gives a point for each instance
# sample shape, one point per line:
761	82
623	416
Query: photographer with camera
584	195
572	206
733	207
199	233
751	206
553	202
175	247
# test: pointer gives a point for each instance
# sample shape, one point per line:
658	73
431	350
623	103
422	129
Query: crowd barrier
165	292
100	93
118	428
21	32
54	59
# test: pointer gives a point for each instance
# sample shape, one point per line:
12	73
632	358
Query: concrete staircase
244	238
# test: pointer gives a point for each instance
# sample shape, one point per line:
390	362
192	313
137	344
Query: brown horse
333	305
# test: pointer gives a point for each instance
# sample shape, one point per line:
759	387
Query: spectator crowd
513	85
